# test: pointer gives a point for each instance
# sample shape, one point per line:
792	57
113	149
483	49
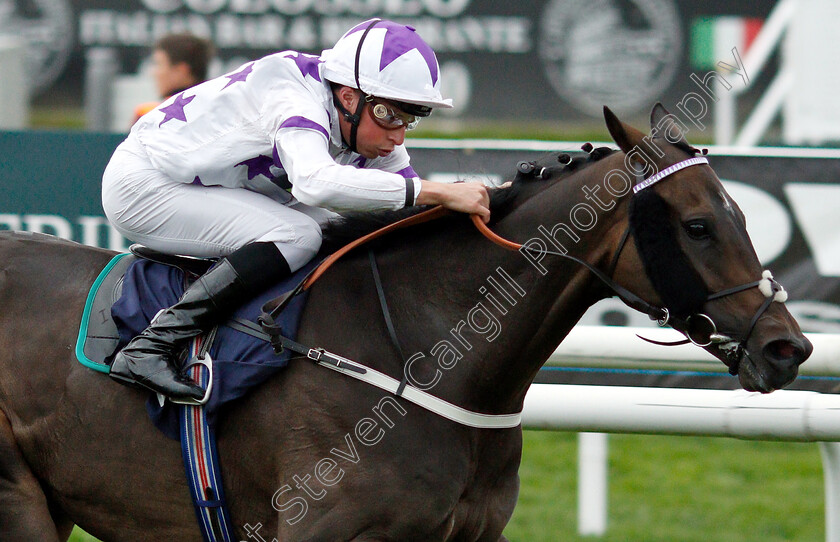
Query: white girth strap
430	402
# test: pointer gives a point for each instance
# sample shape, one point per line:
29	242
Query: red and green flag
712	39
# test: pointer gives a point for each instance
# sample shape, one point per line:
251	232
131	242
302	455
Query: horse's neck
497	315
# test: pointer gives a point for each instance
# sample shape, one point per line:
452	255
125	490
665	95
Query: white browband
656	177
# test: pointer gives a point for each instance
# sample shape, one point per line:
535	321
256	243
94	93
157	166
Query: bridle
699	328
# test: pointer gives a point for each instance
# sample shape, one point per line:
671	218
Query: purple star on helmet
259	165
307	64
400	39
175	110
240	76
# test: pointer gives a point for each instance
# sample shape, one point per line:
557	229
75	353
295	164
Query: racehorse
313	455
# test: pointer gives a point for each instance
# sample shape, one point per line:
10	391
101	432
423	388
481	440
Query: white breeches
148	207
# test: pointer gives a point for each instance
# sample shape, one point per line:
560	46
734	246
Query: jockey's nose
397	136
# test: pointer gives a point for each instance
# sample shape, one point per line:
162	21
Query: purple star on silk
240	76
360	162
175	110
398	42
258	166
307	64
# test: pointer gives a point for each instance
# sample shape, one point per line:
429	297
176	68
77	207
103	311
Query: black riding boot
152	359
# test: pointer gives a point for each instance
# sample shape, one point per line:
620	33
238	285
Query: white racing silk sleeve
318	180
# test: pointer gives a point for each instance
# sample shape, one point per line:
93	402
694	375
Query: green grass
81	536
683	489
57	118
671	489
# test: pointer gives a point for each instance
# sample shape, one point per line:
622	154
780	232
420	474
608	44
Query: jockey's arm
319	181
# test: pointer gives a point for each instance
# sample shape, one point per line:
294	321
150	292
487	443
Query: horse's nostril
784	353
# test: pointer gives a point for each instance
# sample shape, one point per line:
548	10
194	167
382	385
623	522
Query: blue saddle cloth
240	361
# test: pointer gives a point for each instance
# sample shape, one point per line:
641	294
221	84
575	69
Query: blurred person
247	166
179	61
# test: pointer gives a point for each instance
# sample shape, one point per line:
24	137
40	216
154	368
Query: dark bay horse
314	455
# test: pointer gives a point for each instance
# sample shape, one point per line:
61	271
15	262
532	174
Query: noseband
699	328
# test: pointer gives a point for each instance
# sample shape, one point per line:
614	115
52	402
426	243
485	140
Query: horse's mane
550	167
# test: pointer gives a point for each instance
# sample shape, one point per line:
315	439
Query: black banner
528	60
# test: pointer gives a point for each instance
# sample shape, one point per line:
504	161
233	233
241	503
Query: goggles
389	117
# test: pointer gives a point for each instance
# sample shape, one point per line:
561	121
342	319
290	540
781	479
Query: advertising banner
527	60
52	185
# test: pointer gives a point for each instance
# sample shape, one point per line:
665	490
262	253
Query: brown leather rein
426	216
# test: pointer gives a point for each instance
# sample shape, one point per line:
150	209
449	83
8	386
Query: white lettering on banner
102	27
267	31
815	208
206	6
50	224
108	27
359	8
249	6
486	33
162	6
10	222
95	230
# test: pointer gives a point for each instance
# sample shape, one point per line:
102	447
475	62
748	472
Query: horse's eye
698	229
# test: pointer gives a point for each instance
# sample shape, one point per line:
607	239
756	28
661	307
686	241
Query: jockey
248	165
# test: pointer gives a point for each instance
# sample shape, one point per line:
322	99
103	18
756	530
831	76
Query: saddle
99	336
134	286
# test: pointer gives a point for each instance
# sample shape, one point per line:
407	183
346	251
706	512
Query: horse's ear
665	125
657	114
625	136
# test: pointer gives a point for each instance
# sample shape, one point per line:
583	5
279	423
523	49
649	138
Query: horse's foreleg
24	512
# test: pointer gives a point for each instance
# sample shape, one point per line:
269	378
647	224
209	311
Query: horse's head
690	239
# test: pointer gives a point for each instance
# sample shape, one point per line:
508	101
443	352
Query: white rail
619	347
783	415
800	416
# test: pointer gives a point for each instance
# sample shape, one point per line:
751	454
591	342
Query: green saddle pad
98	336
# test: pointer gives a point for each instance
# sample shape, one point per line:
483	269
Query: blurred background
529	69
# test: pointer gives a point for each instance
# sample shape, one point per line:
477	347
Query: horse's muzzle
776	366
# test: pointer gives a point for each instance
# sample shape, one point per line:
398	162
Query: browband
656	177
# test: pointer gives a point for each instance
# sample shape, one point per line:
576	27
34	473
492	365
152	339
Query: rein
629	298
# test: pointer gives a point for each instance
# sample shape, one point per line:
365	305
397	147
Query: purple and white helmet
393	63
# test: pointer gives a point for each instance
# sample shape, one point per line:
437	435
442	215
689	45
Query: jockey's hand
471	197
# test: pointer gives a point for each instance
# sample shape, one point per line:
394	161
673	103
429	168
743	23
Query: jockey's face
372	140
